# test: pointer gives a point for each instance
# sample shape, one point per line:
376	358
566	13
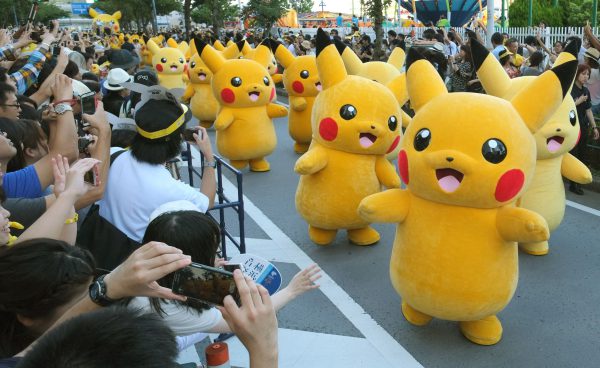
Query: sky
344	6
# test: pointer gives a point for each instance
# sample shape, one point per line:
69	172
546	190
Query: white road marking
583	208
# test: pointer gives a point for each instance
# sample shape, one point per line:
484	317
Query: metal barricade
223	202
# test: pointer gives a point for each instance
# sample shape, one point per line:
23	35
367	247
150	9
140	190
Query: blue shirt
496	52
339	21
23	183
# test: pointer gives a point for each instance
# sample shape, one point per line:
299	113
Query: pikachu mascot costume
345	161
455	253
104	24
199	92
170	65
301	81
546	194
262	54
244	125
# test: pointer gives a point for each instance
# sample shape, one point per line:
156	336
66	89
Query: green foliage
214	12
576	12
302	6
518	13
265	12
48	12
375	10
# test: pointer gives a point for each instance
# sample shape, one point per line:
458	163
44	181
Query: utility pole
490	21
322	5
594	13
241	21
530	21
154	20
503	17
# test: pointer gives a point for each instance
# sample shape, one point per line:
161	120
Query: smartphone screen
56	50
91	176
188	134
207	284
232	267
88	103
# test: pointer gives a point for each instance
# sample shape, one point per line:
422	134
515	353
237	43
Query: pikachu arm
386	173
298	103
276	111
389	206
224	119
575	170
277	78
186	78
313	161
520	225
188	94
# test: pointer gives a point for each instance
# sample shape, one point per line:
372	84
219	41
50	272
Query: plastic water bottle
217	355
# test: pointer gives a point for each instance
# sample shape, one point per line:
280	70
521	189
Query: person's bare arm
45	90
587	31
63	134
208	187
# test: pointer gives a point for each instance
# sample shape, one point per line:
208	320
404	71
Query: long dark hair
14	132
36	277
195	233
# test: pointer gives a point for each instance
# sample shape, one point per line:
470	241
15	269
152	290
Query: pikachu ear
329	63
93	13
537	101
263	54
192	49
398	88
569	53
117	15
218	45
490	73
423	82
172	43
231	51
152	46
183	47
352	62
211	57
397	58
283	55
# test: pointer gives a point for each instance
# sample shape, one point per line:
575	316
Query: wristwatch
212	164
98	293
61	108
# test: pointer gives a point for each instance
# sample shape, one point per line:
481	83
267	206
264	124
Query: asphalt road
552	321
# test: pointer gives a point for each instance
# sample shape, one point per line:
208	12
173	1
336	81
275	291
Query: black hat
145	77
122	59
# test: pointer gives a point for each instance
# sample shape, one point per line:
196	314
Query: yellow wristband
72	220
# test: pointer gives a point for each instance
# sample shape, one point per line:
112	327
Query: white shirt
135	189
593	84
182	320
292	49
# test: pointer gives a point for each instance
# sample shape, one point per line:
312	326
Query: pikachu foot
239	164
321	236
414	316
365	236
487	331
206	124
535	249
300	147
260	165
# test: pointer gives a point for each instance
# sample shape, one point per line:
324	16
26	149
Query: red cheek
272	94
578	137
328	129
298	87
394	144
403	166
509	185
227	95
159	67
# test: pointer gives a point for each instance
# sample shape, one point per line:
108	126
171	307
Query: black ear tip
573	47
412	56
340	46
240	45
322	40
479	53
566	75
200	45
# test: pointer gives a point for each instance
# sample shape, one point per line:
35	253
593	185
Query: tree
302	6
265	12
214	12
518	13
374	9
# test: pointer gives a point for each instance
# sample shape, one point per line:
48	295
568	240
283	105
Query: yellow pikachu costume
345	161
199	92
244	125
301	81
169	64
546	194
385	73
262	54
104	24
455	254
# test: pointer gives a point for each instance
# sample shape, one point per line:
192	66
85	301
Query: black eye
494	151
236	81
266	81
304	74
348	112
163	60
181	60
193	65
573	117
422	139
392	123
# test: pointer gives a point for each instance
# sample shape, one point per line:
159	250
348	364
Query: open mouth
254	96
367	139
202	76
173	67
319	86
554	143
449	179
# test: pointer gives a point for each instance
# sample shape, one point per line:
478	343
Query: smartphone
206	284
75	37
188	134
88	103
56	50
233	266
91	177
83	142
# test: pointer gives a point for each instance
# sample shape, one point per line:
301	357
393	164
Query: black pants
580	149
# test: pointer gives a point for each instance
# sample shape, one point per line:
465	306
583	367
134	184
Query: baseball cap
504	53
145	77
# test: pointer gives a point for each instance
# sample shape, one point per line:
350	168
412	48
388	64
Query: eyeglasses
17	105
